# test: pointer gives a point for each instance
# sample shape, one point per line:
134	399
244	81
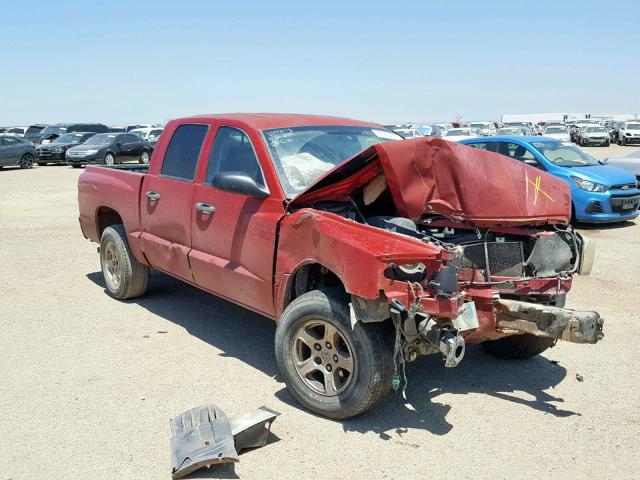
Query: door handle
153	196
205	208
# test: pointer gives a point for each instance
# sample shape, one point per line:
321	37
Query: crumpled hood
431	176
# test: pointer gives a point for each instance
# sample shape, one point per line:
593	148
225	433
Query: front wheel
330	367
124	276
27	161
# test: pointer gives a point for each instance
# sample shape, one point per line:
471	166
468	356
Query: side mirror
239	182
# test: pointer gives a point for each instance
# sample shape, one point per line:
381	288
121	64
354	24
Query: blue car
600	193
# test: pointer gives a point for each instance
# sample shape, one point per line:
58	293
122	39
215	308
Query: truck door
166	202
233	232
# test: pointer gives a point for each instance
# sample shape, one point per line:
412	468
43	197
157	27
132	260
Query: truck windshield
564	154
301	155
53	130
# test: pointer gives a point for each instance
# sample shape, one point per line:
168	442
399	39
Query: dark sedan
109	149
55	151
16	151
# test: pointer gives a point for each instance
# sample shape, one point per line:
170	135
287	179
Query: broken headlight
407	272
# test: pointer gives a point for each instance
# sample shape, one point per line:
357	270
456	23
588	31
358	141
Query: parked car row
76	144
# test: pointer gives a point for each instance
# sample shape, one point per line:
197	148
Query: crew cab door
130	147
9	150
233	232
166	202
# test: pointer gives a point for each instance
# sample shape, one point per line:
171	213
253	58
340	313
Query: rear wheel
330	367
109	159
124	276
27	160
144	157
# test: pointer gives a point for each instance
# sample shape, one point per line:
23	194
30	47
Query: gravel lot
89	383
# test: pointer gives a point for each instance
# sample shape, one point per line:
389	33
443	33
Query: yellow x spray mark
536	185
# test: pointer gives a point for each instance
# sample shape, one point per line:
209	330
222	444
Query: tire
42	164
75	165
27	160
607	143
519	346
144	157
314	317
109	159
624	141
124	276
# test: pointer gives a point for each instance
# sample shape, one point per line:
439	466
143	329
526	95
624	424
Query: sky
121	62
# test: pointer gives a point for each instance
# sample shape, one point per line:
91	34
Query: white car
16	131
457	134
559	132
149	134
631	163
407	132
484	128
629	133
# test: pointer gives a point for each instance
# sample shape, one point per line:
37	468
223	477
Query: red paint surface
249	250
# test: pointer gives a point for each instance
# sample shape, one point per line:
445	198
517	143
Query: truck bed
114	188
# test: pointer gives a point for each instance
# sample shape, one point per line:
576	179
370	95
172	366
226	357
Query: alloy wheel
323	357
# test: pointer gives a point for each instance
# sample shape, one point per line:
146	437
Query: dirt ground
89	383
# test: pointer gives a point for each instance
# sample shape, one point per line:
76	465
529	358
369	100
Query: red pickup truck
367	250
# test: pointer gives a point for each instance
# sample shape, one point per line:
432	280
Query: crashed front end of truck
455	245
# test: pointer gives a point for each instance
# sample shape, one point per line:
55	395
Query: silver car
631	163
14	151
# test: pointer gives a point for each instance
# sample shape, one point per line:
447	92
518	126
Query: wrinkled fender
356	253
117	190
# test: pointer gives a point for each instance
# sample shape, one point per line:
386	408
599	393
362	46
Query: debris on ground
205	436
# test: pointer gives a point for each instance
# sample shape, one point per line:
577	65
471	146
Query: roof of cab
265	121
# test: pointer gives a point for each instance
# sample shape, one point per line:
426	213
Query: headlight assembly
588	185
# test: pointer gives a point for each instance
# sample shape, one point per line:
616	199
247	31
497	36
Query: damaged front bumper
547	321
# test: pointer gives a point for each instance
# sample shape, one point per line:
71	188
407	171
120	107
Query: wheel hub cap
112	265
323	358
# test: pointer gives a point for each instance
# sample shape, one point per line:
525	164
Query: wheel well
313	276
106	217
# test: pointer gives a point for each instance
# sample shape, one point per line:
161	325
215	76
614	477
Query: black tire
75	165
371	351
42	164
106	160
624	141
519	346
26	161
142	157
133	276
607	143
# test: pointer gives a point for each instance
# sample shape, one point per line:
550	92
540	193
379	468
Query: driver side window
520	153
232	152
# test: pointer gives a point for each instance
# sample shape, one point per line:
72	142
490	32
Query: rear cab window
181	158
